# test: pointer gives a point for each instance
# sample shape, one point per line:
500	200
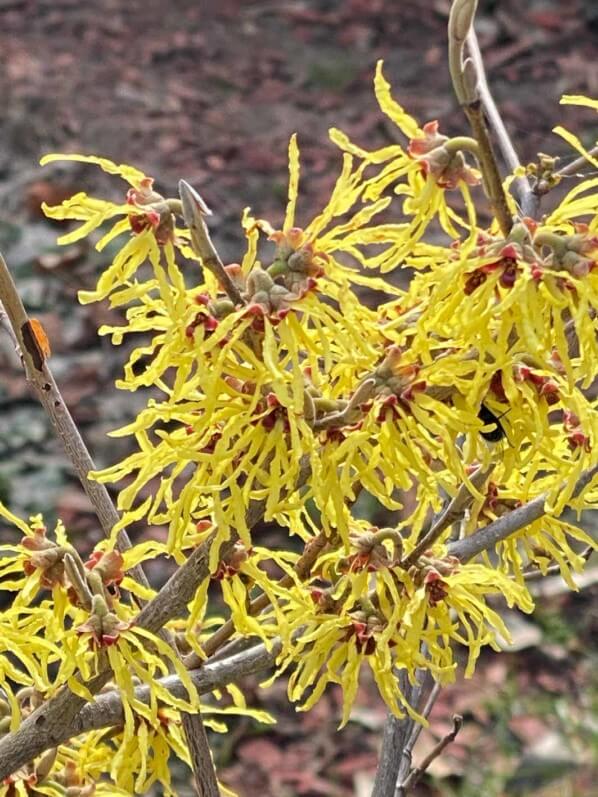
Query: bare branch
490	535
40	377
416	773
527	199
465	79
107	711
554	585
202	764
396	731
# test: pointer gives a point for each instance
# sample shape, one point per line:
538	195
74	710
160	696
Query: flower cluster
66	620
279	392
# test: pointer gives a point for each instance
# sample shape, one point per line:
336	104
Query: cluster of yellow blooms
482	362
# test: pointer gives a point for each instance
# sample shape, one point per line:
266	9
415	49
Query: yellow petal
578	99
289	219
391	107
129	173
576	144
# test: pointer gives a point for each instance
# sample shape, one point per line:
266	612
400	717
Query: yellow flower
148	217
376	613
483	361
452	606
431	164
542	543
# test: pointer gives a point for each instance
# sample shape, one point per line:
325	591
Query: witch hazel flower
507	256
292	274
156	212
442	157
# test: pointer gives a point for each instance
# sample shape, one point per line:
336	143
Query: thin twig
418	727
492	112
411	728
527	199
569	170
40	378
487	160
553	570
400	733
352	411
554	585
417	772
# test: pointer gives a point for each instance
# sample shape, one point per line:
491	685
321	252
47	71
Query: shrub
280	393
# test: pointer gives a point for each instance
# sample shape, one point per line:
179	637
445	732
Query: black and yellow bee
487	417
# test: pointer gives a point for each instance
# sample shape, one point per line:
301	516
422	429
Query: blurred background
211	91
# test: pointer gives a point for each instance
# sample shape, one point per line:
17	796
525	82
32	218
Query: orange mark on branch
36	342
